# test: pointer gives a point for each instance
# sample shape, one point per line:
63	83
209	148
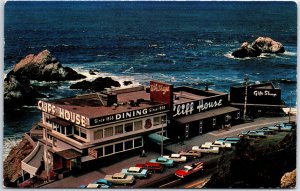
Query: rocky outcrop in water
256	163
259	46
97	85
288	180
43	67
18	92
12	163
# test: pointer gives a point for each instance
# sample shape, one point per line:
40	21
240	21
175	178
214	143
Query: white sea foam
208	41
290	53
9	143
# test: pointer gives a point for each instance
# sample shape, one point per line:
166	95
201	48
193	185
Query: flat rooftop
89	105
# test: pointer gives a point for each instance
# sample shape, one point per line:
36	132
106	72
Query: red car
151	166
188	170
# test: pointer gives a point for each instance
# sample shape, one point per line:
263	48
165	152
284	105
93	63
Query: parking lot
76	181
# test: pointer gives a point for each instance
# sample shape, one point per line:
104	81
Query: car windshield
162	159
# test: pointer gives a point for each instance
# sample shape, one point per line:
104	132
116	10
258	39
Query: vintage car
152	166
232	140
190	153
136	172
219	144
252	134
164	161
283	127
266	131
176	157
206	149
188	170
120	178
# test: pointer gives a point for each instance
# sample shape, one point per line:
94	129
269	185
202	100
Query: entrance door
187	130
200	127
214	122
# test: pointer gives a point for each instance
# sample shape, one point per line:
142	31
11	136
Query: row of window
119	147
125	128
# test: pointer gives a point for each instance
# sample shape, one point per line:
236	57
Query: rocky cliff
288	180
256	163
12	163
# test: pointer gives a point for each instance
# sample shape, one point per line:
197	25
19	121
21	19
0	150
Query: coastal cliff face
12	163
288	180
256	163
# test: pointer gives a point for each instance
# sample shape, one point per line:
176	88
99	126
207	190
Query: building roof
206	114
267	85
69	154
89	105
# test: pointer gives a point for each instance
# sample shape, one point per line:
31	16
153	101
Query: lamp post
246	78
162	139
291	93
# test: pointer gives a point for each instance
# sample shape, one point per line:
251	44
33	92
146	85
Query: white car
176	158
219	144
206	149
190	153
120	178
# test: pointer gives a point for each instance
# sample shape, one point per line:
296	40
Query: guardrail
24	164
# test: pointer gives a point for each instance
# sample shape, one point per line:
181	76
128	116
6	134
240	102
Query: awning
206	114
60	121
157	138
69	154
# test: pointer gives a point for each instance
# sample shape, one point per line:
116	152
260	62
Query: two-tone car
152	166
190	153
100	183
188	170
206	149
137	172
283	126
219	144
176	157
232	140
266	131
120	178
164	161
252	134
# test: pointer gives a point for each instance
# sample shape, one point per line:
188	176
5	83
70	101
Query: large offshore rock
260	45
98	84
18	92
43	67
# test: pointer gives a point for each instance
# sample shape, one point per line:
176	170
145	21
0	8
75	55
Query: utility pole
290	107
246	78
47	164
162	140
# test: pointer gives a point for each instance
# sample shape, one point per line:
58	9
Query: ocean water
185	43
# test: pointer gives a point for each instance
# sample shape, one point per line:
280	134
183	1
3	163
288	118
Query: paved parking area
76	181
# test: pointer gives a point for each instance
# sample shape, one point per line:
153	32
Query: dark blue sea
185	43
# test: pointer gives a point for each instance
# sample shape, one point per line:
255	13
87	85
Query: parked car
252	134
188	170
120	178
136	172
176	157
152	166
266	131
103	183
206	149
93	185
163	161
232	140
190	153
219	144
283	126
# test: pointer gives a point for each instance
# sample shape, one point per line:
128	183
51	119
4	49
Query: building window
109	149
76	130
100	152
83	133
128	127
128	145
156	121
164	119
119	147
227	118
138	125
214	121
118	129
108	132
138	142
238	115
68	130
98	134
